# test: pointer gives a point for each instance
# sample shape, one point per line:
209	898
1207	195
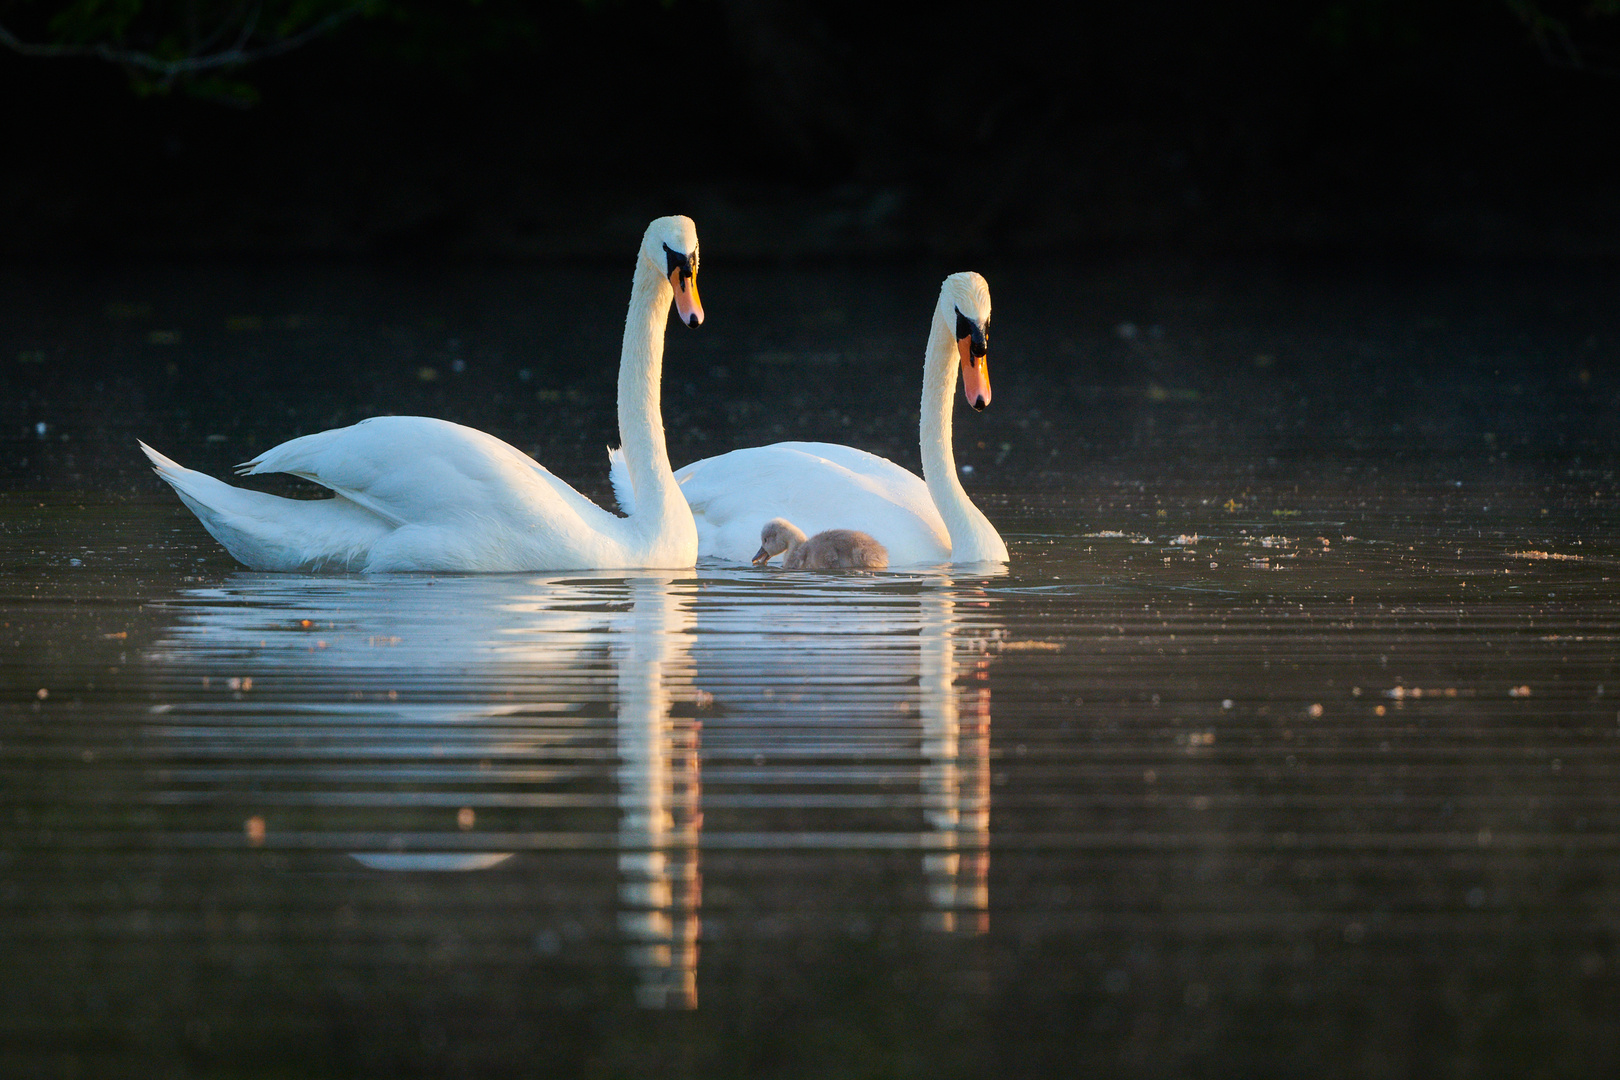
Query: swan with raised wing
416	493
821	486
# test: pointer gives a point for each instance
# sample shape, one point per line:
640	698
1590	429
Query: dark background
1451	129
1223	235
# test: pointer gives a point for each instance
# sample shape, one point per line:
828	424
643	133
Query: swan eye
967	328
674	260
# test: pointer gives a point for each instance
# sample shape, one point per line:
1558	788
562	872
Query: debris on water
1185	540
254	828
1400	692
465	818
1519	691
1544	555
42	693
1025	646
1315	711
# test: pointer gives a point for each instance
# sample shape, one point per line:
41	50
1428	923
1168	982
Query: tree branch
169	70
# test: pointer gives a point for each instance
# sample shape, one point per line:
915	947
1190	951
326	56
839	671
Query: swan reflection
811	674
467	723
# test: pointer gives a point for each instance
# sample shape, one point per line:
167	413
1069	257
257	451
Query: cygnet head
671	246
964	305
776	537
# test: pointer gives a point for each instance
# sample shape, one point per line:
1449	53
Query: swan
416	493
824	485
832	549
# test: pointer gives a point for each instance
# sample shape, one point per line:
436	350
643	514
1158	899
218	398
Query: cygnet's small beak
761	557
686	296
975	374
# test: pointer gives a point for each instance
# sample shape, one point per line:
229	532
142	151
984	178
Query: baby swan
833	549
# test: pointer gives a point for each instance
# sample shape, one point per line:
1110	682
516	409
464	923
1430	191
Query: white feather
820	486
416	493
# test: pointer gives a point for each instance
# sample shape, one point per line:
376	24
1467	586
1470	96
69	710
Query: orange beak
975	375
686	296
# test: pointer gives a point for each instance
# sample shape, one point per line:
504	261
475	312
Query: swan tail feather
296	456
267	532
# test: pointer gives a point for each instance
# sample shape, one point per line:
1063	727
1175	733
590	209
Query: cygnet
833	549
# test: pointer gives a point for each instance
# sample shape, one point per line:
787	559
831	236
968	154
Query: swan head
964	304
777	536
671	246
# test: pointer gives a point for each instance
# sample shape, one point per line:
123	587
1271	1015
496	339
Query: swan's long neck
658	499
973	538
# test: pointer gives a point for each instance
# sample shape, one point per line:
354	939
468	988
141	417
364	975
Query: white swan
415	493
821	486
830	549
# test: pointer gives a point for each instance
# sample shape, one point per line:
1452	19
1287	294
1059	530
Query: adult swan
820	486
415	493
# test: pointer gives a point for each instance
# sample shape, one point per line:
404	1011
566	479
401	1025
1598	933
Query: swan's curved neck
658	498
973	538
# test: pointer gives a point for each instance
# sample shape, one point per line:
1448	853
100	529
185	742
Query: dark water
1287	744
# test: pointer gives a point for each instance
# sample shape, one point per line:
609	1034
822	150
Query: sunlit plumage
821	486
416	493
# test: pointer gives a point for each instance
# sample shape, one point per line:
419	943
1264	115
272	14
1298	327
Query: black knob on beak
967	328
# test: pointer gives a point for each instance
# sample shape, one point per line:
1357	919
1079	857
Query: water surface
1286	745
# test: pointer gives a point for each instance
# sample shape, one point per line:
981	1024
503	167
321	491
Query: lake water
1286	745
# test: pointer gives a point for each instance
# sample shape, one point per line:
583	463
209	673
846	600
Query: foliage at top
201	45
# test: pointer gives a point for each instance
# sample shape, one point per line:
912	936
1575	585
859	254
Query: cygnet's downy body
834	549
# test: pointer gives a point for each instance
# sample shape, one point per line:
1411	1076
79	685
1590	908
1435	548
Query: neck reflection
956	773
659	793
